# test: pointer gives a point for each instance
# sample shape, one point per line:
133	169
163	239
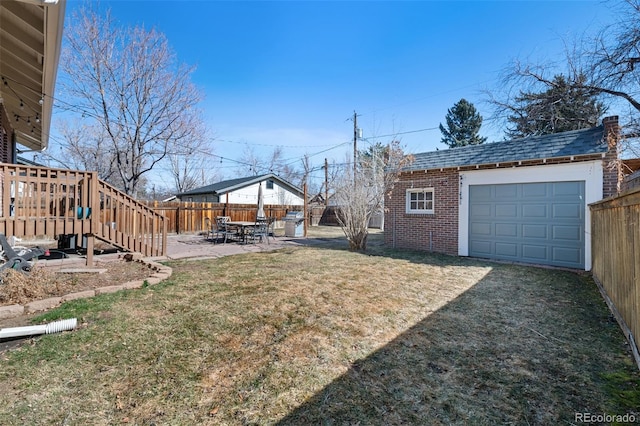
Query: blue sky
291	74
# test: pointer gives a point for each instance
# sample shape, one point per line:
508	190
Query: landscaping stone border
159	273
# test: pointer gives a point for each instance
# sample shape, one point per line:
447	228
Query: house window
270	184
420	200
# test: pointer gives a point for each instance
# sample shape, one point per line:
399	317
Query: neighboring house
26	162
523	200
276	191
631	168
632	181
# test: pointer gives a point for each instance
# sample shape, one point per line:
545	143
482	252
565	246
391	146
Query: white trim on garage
589	171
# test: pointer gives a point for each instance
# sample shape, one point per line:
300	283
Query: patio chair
213	232
224	230
260	230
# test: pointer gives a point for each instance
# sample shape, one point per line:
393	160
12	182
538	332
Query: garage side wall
436	232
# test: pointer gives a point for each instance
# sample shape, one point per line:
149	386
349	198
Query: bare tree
86	148
260	163
187	172
604	66
190	163
128	83
273	162
358	197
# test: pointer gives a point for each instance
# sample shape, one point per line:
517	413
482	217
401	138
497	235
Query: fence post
178	220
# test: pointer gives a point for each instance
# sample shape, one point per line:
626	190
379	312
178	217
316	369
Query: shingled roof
566	144
223	187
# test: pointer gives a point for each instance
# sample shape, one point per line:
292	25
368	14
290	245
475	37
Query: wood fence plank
616	258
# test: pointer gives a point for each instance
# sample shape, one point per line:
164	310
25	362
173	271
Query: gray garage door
528	222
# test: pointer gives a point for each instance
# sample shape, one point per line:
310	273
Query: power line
405	133
269	145
67	106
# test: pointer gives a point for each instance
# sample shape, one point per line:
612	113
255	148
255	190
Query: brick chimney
611	130
611	163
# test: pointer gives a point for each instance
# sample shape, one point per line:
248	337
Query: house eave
512	163
30	46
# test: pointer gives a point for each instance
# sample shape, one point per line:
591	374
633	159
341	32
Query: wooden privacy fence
189	216
615	229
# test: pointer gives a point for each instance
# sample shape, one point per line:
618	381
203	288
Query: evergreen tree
463	125
563	106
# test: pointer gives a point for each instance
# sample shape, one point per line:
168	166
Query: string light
236	163
5	81
27	118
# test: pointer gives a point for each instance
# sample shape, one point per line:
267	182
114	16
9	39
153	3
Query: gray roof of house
566	144
233	184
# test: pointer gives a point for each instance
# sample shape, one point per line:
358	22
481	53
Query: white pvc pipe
33	330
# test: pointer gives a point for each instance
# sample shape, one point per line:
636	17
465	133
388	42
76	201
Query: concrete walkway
194	246
179	246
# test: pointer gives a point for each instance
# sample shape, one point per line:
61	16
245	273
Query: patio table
242	227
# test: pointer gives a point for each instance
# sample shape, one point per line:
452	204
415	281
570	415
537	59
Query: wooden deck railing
130	224
46	202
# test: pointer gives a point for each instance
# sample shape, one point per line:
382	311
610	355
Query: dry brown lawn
320	335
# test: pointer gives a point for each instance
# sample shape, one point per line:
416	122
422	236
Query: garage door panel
534	210
534	190
506	249
506	191
482	192
566	255
481	247
573	211
480	210
534	231
506	210
530	222
570	233
506	230
567	188
534	252
481	228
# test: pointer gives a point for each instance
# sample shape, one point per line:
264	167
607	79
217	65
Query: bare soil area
47	281
44	282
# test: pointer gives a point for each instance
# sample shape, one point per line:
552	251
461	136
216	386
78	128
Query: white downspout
52	327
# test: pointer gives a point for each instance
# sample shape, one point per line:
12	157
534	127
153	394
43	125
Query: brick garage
429	207
434	232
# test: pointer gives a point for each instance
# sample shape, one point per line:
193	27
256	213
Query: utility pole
355	144
305	223
326	183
